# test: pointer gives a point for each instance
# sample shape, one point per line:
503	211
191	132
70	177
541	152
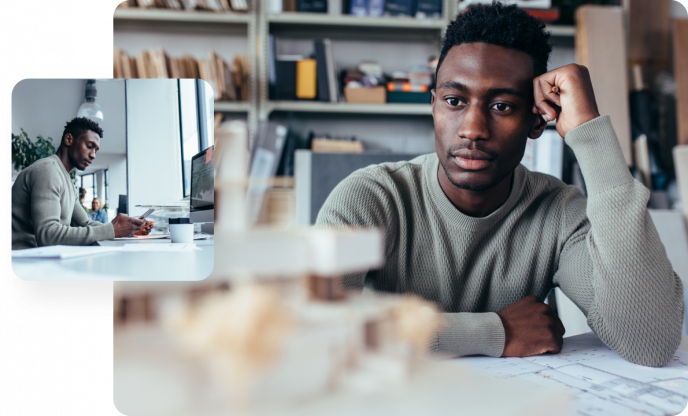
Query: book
306	79
376	8
289	5
321	74
285	81
332	82
359	8
400	7
429	9
311	6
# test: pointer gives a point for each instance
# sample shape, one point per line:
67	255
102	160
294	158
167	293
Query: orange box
374	95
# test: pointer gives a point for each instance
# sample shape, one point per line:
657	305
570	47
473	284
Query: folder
305	79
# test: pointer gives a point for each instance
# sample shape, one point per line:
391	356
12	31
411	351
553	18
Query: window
88	182
188	110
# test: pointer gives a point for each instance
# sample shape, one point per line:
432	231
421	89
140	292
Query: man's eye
453	101
501	107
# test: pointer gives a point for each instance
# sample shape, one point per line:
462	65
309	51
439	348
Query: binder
321	66
305	79
285	86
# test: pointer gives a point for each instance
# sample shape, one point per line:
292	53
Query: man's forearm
637	306
471	333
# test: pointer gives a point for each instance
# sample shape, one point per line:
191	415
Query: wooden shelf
232	107
320	19
349	108
162	15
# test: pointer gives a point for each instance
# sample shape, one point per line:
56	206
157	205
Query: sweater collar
452	215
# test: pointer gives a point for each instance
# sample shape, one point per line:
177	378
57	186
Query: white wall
153	145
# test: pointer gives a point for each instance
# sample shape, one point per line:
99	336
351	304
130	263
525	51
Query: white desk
141	266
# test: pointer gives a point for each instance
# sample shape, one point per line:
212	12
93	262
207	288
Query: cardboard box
374	95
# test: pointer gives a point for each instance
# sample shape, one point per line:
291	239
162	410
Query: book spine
321	73
305	79
359	8
376	8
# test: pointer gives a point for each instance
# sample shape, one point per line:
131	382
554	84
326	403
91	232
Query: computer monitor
202	197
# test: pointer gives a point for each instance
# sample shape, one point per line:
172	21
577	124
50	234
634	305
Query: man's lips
87	162
472	159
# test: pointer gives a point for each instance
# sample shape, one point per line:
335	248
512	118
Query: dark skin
487	103
79	153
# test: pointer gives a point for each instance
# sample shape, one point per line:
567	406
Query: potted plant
25	151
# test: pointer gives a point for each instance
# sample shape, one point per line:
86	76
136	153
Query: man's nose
474	124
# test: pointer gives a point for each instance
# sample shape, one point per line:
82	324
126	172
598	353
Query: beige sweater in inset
46	211
603	252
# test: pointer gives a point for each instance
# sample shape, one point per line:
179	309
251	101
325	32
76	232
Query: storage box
374	95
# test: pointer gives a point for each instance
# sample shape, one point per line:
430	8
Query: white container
181	230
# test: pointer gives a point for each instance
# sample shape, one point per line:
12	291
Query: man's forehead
92	136
482	62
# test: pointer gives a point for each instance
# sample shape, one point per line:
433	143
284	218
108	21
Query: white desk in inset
124	265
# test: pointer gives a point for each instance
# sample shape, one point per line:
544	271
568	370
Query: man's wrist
599	155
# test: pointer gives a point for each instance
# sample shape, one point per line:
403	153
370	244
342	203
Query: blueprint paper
601	382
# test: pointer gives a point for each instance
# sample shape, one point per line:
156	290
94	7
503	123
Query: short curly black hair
80	125
501	25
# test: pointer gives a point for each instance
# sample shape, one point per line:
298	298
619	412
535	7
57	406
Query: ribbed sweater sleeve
363	200
46	193
612	262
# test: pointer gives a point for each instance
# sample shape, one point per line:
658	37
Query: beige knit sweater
610	262
46	211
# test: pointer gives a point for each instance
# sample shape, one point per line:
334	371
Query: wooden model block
601	47
649	35
325	288
681	74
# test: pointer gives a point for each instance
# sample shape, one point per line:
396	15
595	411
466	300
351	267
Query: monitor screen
203	180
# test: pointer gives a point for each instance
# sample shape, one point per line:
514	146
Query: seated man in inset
45	206
473	230
97	214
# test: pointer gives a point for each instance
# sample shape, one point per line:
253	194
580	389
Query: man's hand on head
565	94
125	225
531	328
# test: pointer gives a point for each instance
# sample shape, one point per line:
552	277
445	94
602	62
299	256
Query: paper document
61	252
172	247
603	383
143	237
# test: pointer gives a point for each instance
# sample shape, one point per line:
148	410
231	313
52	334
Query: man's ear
432	99
68	139
538	127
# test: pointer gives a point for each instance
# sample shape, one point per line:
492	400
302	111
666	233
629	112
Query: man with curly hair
473	230
45	205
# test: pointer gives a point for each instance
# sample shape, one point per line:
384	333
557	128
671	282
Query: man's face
482	109
83	149
95	205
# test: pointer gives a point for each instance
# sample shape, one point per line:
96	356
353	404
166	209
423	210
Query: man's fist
565	94
125	225
531	328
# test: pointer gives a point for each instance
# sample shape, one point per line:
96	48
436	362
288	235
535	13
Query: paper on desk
604	383
171	247
61	252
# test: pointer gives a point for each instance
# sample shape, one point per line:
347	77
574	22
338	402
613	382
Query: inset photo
113	179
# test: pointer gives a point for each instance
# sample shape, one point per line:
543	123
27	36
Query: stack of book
211	5
361	8
295	77
229	84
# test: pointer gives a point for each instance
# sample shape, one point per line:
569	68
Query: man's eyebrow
453	84
493	91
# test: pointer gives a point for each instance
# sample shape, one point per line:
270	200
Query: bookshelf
349	108
205	29
229	33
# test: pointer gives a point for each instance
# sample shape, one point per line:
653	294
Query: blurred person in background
98	214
